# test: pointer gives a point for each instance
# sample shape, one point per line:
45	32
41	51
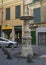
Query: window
37	17
17	11
7	13
35	0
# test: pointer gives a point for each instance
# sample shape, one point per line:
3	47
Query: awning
18	28
6	27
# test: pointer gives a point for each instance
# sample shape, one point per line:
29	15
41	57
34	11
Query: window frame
8	14
17	13
36	11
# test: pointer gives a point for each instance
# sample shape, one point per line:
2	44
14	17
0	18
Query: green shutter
37	16
35	0
7	13
33	34
18	11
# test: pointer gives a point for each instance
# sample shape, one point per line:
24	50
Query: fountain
26	39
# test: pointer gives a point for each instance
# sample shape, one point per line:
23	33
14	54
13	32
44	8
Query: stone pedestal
26	40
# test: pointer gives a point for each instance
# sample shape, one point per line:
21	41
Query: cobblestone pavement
41	60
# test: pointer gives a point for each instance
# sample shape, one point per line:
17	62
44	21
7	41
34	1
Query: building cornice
10	2
38	23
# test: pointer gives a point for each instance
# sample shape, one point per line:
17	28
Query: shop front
41	36
6	31
18	33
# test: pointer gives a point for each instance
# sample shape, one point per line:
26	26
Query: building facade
11	26
37	9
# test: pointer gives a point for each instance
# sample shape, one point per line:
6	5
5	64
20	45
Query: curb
19	56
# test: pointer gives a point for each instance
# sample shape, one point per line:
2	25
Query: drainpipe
2	18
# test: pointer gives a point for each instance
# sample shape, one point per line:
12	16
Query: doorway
42	38
18	34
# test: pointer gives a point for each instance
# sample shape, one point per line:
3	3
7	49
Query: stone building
12	26
37	9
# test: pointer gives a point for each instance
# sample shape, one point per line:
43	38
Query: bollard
9	56
29	58
3	48
6	51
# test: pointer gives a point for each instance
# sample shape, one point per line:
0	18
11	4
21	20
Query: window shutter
35	0
7	13
37	17
18	11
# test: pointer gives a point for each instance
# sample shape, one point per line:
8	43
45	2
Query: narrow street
41	60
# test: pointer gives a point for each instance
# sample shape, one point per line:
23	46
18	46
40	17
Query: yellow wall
13	21
12	10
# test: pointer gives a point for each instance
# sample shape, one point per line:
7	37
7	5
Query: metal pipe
2	18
